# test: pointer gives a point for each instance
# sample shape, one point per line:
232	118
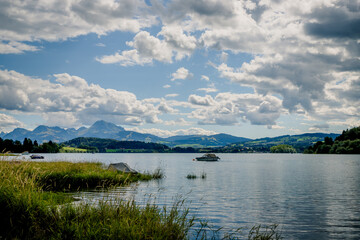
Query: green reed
34	205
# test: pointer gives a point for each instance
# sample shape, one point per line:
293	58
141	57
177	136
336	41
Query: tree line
9	145
347	143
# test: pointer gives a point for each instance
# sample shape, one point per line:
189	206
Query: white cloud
171	95
170	133
231	109
224	56
8	123
208	90
177	122
16	47
319	127
147	48
165	108
203	101
302	51
126	58
211	88
182	73
55	20
206	78
100	45
73	99
181	43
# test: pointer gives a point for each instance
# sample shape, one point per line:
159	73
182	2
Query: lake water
309	196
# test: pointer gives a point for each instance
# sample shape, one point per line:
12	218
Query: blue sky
247	68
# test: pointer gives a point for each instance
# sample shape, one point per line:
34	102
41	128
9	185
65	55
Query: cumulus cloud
55	20
181	43
8	123
231	109
146	48
73	99
198	100
165	108
319	127
177	122
307	53
181	74
170	133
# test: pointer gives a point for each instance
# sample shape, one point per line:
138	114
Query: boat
208	157
36	157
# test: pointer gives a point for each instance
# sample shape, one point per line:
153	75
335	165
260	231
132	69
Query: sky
249	68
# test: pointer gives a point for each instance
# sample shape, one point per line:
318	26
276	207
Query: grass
194	176
34	205
31	192
191	176
73	150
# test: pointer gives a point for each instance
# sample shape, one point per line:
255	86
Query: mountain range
103	129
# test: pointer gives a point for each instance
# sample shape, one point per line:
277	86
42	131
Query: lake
309	196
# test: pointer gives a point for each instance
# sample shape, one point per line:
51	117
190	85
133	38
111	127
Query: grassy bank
34	205
31	193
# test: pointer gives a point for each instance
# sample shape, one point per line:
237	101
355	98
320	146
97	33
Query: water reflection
309	196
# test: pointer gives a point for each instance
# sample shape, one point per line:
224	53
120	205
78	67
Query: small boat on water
208	157
36	157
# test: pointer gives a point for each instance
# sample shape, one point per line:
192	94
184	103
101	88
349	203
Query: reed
191	176
34	205
30	208
194	176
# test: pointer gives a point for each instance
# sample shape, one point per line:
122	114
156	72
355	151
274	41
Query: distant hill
299	142
107	130
216	140
111	145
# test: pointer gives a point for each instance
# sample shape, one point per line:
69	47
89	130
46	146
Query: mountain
216	140
103	129
135	136
17	134
99	129
44	133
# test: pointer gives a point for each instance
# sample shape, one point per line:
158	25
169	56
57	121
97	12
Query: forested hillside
111	145
347	143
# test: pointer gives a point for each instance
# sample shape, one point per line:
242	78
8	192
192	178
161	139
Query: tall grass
30	209
194	176
33	205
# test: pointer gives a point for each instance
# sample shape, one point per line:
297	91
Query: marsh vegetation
35	204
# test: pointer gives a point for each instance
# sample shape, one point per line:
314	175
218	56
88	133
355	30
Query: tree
347	143
282	148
